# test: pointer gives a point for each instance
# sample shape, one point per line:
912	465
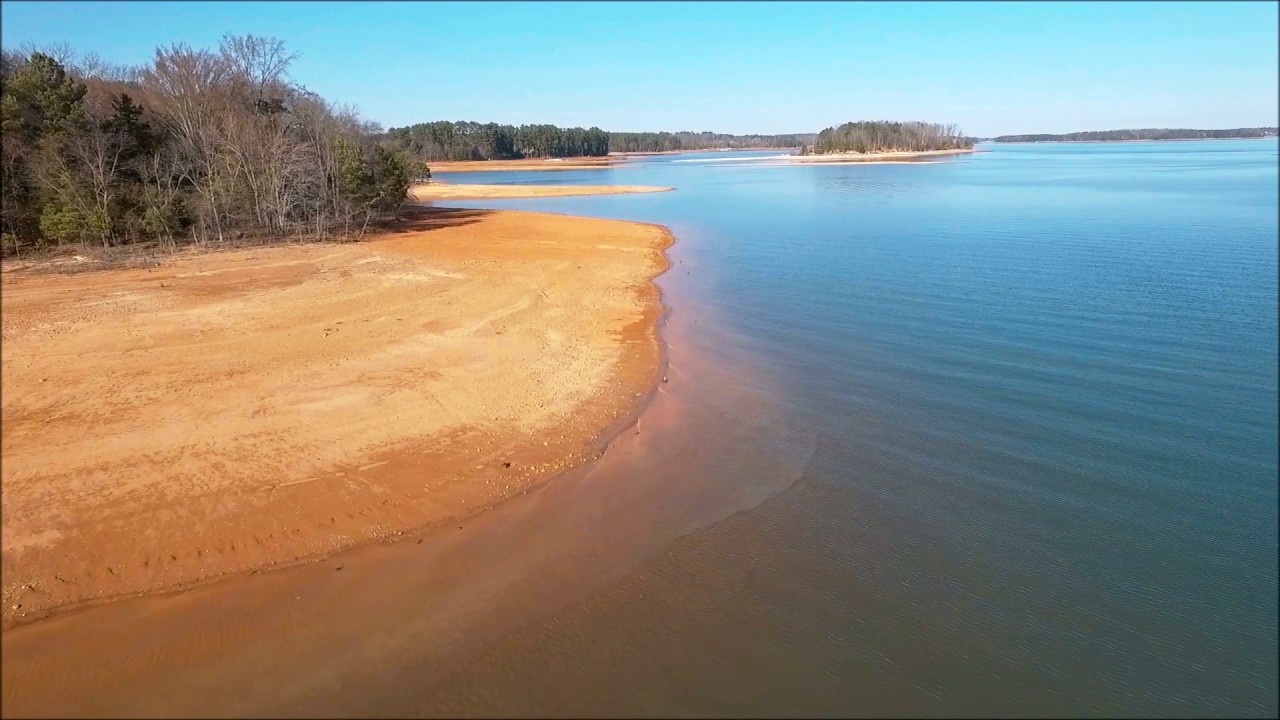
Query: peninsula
221	413
205	374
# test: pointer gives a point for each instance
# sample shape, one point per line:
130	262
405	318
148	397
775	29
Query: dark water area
1038	386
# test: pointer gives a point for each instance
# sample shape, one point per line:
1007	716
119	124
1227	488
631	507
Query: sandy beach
702	150
618	159
438	190
228	411
577	163
886	158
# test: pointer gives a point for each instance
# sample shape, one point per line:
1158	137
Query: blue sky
992	68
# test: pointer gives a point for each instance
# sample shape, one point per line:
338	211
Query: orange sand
446	191
229	411
578	163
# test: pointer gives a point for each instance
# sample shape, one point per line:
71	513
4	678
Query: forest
884	136
1143	134
667	142
445	140
196	146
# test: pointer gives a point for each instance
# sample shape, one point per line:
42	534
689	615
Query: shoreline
576	163
618	407
1112	142
618	160
875	158
706	150
431	601
440	190
586	162
890	158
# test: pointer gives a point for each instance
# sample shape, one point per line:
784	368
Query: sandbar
574	163
225	412
884	158
437	190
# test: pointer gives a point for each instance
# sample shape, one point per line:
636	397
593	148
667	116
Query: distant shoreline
873	157
441	190
593	162
702	150
885	158
1144	140
614	160
586	162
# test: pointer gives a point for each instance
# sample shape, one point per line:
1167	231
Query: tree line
628	142
1142	134
195	146
883	136
444	140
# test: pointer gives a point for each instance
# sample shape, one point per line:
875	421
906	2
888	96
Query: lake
994	436
1000	434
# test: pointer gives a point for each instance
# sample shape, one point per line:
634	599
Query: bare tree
188	88
161	173
260	62
222	142
60	51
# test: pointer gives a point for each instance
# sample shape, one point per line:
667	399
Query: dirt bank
448	191
234	410
577	163
884	157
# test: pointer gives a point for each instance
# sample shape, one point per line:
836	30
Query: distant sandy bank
841	158
888	158
704	150
438	190
1114	142
578	163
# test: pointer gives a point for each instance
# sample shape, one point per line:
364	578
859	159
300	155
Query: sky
755	67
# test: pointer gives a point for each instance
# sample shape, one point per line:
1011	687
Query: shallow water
1042	387
989	436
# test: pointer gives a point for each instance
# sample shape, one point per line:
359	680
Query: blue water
1041	384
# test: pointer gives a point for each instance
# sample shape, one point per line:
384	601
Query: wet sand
233	411
438	190
380	629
